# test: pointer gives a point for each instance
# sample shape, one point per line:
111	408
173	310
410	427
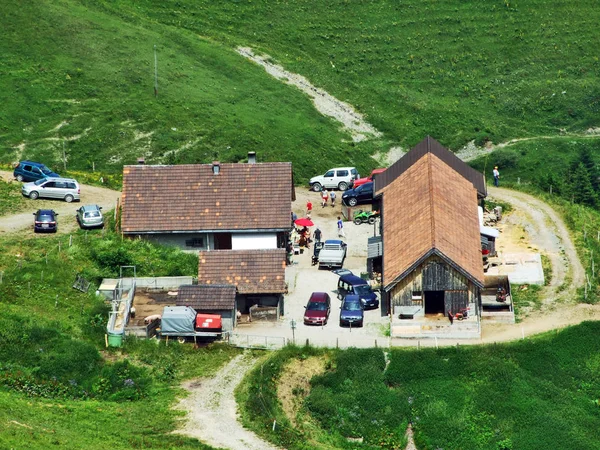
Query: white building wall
253	241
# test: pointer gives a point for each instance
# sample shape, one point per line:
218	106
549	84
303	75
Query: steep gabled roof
251	271
207	297
188	198
430	145
428	209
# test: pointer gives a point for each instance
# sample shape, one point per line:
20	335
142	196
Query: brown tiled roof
430	145
251	271
430	209
191	198
207	297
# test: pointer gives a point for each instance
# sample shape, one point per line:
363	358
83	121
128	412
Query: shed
211	299
258	275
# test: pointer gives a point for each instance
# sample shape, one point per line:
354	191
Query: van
32	171
350	284
65	189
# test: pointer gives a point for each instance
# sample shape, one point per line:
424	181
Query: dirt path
550	235
324	102
104	197
212	411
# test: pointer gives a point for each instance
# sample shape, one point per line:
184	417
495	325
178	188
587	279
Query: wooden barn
431	249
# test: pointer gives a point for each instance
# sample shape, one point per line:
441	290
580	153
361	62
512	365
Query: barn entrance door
434	302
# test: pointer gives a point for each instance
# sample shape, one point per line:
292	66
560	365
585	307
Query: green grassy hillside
59	387
538	393
457	71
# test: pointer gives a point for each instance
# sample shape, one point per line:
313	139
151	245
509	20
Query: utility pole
155	72
64	157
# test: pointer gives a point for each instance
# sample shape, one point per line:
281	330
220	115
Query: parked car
32	171
350	284
317	309
359	196
340	178
65	189
351	311
364	180
333	253
45	220
90	216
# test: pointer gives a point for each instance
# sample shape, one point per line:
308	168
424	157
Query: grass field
57	388
82	76
538	393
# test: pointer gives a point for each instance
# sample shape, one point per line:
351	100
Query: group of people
327	196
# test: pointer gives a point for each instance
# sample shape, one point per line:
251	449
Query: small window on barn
195	243
417	295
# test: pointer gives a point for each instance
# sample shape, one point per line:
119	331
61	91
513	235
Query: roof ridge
431	209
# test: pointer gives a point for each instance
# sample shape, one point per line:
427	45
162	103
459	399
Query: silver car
90	216
65	189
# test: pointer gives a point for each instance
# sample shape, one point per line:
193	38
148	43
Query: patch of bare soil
546	233
294	384
106	198
325	103
212	411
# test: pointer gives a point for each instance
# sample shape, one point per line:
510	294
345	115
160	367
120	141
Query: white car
340	178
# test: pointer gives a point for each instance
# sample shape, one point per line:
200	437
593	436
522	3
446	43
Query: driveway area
303	279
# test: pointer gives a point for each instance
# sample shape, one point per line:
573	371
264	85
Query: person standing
332	197
324	197
308	208
294	218
317	234
496	176
340	226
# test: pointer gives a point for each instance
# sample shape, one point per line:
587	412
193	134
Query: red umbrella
304	222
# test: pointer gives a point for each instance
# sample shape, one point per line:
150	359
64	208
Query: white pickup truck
332	254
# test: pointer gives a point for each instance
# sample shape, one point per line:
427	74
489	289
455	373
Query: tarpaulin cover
178	319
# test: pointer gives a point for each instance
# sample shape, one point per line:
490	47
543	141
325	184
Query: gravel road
212	410
106	198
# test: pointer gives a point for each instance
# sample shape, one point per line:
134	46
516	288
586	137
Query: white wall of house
253	241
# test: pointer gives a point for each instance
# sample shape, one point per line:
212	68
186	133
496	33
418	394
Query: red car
317	309
367	179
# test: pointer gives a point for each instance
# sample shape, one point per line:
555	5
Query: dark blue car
32	171
351	284
351	312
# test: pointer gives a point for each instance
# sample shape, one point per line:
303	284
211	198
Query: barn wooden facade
431	252
434	287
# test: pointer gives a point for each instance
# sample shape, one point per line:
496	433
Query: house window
195	243
417	295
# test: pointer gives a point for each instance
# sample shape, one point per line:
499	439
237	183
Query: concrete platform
521	268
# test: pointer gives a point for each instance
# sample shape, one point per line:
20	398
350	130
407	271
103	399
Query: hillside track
106	198
549	233
212	411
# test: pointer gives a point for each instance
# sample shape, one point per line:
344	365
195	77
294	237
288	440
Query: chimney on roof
251	157
141	160
216	167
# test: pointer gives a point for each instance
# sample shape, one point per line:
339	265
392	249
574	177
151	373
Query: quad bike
361	216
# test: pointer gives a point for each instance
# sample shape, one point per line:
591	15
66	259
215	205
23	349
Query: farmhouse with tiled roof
209	206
